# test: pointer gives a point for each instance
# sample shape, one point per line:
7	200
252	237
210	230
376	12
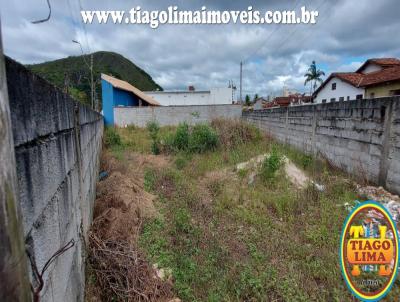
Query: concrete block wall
361	137
57	144
173	115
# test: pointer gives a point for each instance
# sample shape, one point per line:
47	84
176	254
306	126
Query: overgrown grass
111	137
225	240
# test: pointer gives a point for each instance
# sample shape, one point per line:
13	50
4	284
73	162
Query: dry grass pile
120	270
234	132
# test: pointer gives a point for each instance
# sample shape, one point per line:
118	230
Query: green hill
75	72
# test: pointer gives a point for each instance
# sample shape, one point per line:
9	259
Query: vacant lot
187	212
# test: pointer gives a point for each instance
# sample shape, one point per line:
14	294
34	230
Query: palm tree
313	76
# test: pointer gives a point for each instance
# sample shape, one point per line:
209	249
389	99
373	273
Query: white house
339	87
214	96
375	78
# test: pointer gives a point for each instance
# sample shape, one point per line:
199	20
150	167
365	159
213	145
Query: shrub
167	143
306	161
154	128
271	165
235	132
155	148
203	138
181	140
111	137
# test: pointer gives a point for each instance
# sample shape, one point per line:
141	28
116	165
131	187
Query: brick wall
57	145
361	137
173	115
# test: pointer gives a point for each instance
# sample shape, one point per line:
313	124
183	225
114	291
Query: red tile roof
284	101
384	62
390	72
352	78
382	76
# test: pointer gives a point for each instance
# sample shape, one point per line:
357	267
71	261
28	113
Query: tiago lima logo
369	251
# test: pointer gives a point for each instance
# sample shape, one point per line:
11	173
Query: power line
76	21
267	39
309	33
254	52
84	26
324	2
45	19
296	29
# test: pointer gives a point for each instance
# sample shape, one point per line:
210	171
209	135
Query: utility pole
91	73
241	74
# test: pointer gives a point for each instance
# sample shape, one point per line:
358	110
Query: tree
247	100
313	76
255	97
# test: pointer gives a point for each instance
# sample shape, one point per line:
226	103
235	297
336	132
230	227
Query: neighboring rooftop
383	62
389	71
116	83
382	76
177	91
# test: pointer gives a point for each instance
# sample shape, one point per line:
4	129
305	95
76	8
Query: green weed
153	128
203	138
181	139
150	179
271	165
111	137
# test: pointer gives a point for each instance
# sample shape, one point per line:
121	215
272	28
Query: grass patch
225	240
111	137
271	165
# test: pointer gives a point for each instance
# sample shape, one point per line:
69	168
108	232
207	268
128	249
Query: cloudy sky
347	32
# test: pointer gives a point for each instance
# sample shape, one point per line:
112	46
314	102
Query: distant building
214	96
290	100
375	78
116	93
260	103
287	91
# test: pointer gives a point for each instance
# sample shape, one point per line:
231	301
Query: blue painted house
118	93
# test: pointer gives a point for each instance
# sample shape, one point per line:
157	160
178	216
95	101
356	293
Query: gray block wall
361	137
57	145
173	115
14	283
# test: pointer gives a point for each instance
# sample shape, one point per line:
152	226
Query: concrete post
14	283
287	140
387	134
314	130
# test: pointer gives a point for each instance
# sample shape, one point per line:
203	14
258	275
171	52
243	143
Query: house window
333	86
394	92
323	101
333	100
341	99
359	97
